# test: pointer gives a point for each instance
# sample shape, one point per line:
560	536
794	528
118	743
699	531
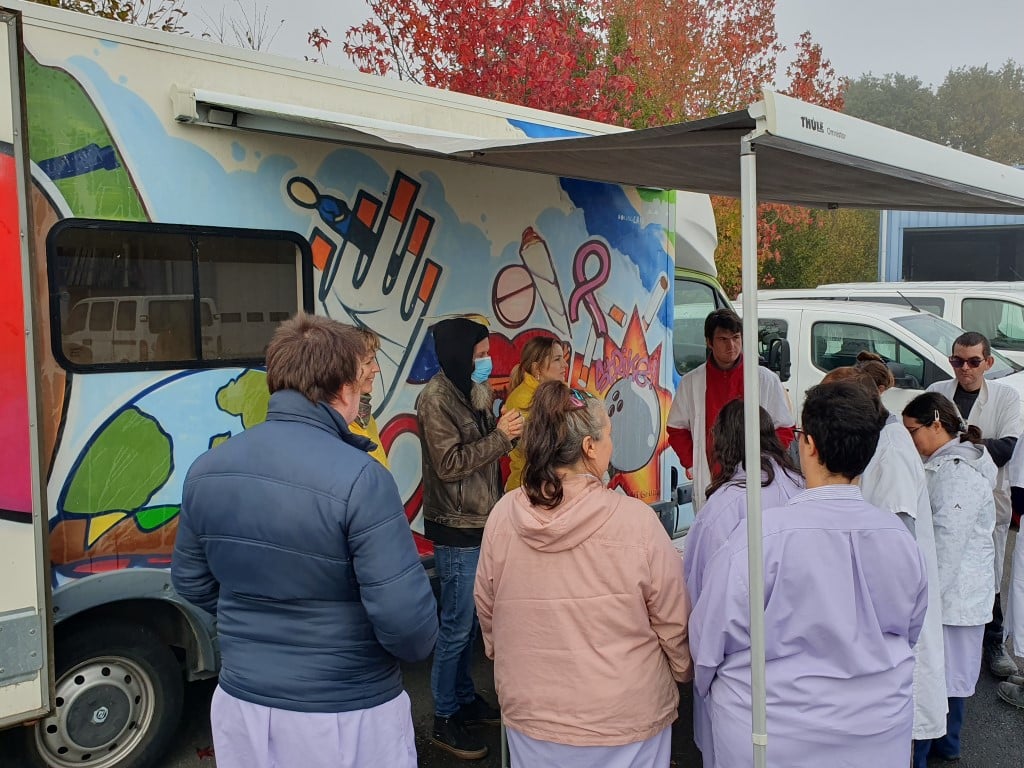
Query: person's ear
588	447
812	448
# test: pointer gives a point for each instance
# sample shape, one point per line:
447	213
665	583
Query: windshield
939	334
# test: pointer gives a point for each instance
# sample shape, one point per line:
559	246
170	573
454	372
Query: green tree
984	111
158	14
837	246
896	101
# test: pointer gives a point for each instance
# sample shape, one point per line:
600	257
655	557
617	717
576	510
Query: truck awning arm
806	155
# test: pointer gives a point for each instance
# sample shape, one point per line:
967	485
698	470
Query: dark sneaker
479	712
999	662
450	734
1011	694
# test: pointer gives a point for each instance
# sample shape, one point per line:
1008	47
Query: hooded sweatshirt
960	479
584	611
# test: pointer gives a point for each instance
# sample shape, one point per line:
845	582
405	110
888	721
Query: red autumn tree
555	55
630	62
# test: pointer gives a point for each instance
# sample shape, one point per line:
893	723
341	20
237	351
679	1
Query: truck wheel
118	700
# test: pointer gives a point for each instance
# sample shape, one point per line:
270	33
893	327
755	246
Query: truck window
940	334
769	330
102	316
1001	321
837	344
694	301
171	286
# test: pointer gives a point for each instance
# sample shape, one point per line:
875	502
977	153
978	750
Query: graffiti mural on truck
398	243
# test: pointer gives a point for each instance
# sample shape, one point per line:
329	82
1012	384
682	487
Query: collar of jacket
289	405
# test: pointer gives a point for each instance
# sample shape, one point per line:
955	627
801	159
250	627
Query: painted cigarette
535	255
617	314
657	297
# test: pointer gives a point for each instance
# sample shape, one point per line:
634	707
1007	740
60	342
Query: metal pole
752	434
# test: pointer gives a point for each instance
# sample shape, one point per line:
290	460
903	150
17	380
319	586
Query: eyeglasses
578	397
922	426
959	362
797	431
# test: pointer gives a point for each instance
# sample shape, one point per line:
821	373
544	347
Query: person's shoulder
520	397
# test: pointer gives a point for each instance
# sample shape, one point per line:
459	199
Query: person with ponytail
726	508
960	475
874	366
543	359
581	602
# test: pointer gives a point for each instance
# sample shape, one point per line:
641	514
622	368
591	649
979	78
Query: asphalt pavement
993	734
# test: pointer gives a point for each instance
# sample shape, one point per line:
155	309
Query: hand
689	473
511	423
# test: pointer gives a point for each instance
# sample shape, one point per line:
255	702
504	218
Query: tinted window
694	301
940	335
152	272
126	315
1002	322
101	316
835	345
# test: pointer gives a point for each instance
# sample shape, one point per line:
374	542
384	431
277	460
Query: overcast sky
925	38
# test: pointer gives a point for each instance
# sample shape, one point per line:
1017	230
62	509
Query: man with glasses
705	391
994	408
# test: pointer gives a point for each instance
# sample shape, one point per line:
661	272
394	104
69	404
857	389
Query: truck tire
118	700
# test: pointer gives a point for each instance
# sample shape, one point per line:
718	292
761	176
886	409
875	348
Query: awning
806	155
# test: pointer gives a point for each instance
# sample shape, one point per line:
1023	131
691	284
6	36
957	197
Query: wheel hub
103	708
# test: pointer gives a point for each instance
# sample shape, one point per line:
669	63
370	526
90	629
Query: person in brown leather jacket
461	443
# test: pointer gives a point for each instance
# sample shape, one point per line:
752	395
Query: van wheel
118	700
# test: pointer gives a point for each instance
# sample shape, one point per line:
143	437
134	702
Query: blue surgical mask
481	370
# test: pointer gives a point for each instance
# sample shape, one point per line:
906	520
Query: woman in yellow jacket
543	359
364	424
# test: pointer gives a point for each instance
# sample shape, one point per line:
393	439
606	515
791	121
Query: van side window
131	296
694	301
1001	321
834	345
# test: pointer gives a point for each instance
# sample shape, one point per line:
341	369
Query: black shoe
479	712
1000	663
450	734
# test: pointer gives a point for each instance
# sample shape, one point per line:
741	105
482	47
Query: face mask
481	370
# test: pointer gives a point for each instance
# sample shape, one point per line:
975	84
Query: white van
824	335
993	309
139	329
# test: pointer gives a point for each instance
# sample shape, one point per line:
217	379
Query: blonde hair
534	353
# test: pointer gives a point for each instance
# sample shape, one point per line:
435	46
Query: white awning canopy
806	155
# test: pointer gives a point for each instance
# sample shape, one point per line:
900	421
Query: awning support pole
752	433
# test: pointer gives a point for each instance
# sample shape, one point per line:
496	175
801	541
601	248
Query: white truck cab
823	335
993	309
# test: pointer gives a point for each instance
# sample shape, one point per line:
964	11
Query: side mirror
779	359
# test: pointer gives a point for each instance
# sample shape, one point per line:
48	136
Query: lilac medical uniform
845	599
721	513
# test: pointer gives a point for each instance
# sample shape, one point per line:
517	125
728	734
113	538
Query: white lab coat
996	413
688	412
959	477
1014	621
895	481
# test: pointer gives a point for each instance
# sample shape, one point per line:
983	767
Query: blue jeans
450	681
944	746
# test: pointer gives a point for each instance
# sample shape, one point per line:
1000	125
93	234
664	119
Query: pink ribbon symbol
585	286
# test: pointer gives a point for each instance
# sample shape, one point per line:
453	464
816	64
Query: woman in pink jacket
581	602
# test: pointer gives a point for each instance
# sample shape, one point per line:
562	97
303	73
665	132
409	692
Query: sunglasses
578	397
959	362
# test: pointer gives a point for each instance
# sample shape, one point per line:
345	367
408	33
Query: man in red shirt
704	391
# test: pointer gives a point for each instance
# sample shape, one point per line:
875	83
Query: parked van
993	309
822	336
140	329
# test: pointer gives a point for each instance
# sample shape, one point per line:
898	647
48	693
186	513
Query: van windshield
939	334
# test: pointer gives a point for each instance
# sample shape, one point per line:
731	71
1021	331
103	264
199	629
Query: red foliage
812	78
551	55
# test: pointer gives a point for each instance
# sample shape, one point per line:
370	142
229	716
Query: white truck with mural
164	203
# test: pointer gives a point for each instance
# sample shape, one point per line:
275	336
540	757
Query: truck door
24	639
